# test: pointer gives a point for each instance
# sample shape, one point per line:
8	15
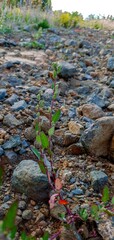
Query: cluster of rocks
86	100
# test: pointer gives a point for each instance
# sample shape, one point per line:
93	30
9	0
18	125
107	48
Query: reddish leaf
63	202
58	184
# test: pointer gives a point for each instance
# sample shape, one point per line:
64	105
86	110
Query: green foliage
105	197
67	19
43	24
56	116
33	44
46	236
83	214
44	140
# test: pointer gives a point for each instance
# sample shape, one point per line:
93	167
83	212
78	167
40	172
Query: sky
85	7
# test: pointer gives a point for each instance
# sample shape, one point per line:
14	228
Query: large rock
91	111
96	139
67	69
27	178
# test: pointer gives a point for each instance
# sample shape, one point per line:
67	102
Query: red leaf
58	184
63	202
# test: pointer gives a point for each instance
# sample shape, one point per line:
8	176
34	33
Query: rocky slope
84	137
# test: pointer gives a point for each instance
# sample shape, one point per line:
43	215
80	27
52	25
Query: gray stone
1	151
96	139
11	156
97	100
98	180
63	87
30	133
57	210
14	141
10	120
27	214
2	94
27	178
20	105
110	64
11	100
22	205
67	69
77	191
112	84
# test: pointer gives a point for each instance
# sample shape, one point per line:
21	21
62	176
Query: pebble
27	214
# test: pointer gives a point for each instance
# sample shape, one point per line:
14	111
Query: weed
33	44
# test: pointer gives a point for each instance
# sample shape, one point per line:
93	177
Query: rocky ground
83	144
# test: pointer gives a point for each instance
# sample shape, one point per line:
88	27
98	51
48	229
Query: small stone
14	141
111	107
57	210
65	138
20	105
2	94
1	151
77	191
11	156
22	205
110	64
30	133
75	128
27	214
98	180
68	234
112	84
67	69
11	100
91	111
10	120
75	149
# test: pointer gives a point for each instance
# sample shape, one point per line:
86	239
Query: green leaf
112	200
105	197
94	211
13	232
1	175
39	97
53	86
51	131
25	237
42	167
41	103
9	220
46	236
36	152
83	214
37	127
38	139
44	140
61	215
56	116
